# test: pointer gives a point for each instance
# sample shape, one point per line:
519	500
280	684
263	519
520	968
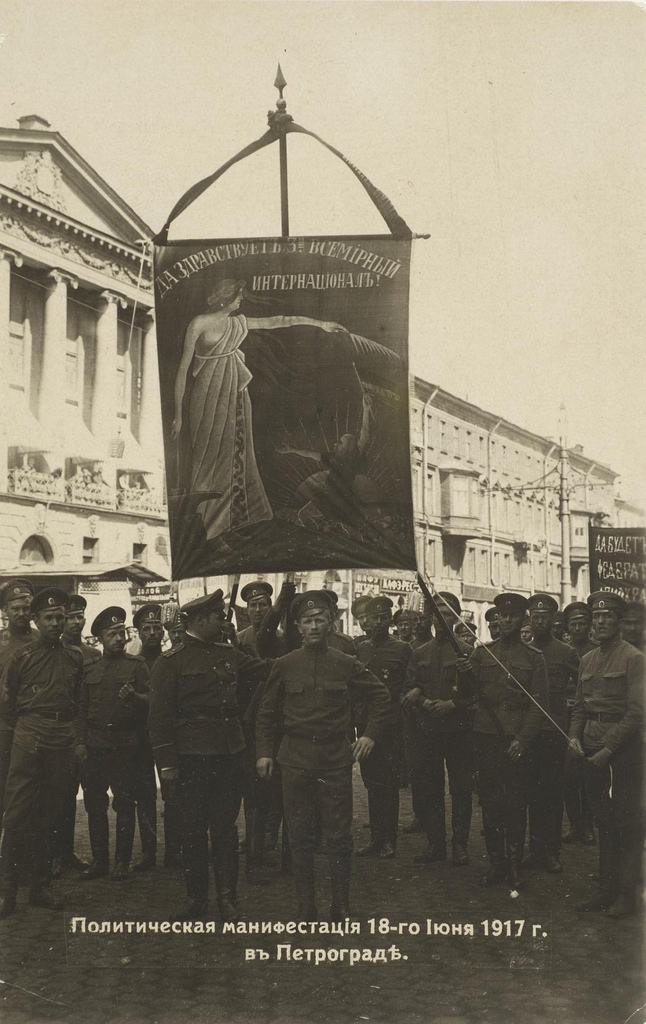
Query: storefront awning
48	574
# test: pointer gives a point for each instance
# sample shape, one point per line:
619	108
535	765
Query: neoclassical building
81	457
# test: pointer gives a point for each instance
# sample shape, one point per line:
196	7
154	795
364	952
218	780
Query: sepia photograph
322	512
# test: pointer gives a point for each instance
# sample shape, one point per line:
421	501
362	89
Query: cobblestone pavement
586	970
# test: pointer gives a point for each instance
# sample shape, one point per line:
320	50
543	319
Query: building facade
81	462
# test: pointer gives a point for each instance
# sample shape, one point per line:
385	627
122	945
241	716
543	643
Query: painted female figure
219	411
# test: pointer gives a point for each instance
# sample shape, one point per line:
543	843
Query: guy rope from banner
426	591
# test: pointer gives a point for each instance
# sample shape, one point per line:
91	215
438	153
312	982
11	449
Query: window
460	503
36	549
483	566
456	441
505	466
483	460
469	446
140	553
470	565
90	550
443	435
431	558
506	570
16	357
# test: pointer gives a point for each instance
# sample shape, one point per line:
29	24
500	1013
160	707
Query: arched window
36	550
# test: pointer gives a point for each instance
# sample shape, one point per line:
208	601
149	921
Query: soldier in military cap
633	624
39	698
311	689
443	724
492	619
578	622
358	610
257	596
15	602
546	758
506	722
558	625
194	723
114	690
404	621
63	841
337	639
387	658
607	728
148	623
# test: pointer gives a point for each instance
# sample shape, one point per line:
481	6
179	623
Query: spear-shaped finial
279	117
280	83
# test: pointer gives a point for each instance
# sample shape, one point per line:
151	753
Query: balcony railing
89	492
30	482
138	500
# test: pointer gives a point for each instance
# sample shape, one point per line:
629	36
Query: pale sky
513	132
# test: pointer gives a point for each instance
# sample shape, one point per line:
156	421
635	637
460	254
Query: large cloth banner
284	386
618	561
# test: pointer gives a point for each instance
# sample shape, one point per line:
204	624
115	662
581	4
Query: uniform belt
603	716
55	716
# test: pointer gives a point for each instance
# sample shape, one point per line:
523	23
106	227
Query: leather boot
461	825
340	867
516	881
303	870
391	816
225	866
100	866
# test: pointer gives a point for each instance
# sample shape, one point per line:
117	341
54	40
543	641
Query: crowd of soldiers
277	714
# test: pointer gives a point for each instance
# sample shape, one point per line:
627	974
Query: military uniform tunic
388	660
438	740
609	712
9	643
501	781
546	759
198	690
39	698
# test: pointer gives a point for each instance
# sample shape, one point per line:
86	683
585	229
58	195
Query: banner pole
279	123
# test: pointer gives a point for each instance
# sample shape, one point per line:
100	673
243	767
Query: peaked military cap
13	589
112	616
377	605
404	613
259	588
450	599
76	603
310	601
576	607
543	603
48	599
359	605
203	605
491	615
333	596
150	612
604	600
511	604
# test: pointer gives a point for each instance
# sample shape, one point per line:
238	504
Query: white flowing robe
220	430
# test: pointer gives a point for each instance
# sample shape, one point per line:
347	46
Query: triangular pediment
42	166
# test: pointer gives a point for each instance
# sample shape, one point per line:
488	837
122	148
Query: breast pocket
614	684
335	692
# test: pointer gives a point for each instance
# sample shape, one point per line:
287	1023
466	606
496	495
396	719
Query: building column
51	401
6	259
104	393
150	431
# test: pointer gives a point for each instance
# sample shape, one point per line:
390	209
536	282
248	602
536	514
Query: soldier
39	699
422	631
558	625
578	621
445	737
311	689
147	622
194	723
607	729
358	610
404	622
257	596
387	659
15	601
176	629
633	624
546	758
114	690
465	631
506	722
491	618
63	842
337	639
